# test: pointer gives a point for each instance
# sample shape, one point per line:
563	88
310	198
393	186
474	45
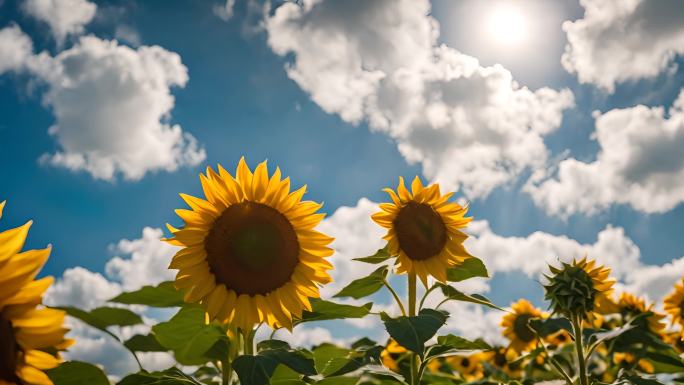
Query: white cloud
225	11
640	163
15	48
617	41
148	262
378	61
64	17
111	105
81	288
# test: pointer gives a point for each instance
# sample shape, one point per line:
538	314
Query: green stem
577	328
226	371
427	292
396	297
553	362
412	288
249	342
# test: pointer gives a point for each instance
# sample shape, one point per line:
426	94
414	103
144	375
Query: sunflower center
9	352
420	231
252	248
522	328
465	362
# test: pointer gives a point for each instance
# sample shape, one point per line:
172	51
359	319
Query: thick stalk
249	342
577	328
226	371
412	288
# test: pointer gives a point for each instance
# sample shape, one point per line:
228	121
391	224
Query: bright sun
507	25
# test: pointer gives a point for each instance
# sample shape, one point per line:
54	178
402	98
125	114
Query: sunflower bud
577	288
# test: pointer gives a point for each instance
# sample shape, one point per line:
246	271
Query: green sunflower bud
570	290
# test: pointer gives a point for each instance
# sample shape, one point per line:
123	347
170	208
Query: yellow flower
501	358
392	355
559	338
250	252
516	327
580	287
632	306
469	367
628	359
674	304
30	335
423	230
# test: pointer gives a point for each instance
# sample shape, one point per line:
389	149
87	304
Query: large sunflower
674	304
423	229
516	325
30	336
579	287
631	306
250	252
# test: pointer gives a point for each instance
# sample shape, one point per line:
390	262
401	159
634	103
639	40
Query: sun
507	25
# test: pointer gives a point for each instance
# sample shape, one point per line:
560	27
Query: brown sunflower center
420	231
9	352
465	362
522	328
681	309
252	248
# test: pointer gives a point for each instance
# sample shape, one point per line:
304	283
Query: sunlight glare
507	25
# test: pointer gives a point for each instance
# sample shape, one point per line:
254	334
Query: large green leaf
144	343
665	363
77	373
172	376
365	286
187	335
162	295
379	257
470	268
545	327
451	344
455	295
338	380
330	358
297	360
254	370
104	317
413	332
322	310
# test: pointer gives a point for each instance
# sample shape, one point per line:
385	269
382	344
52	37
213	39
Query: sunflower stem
396	297
412	288
249	342
427	292
577	328
226	371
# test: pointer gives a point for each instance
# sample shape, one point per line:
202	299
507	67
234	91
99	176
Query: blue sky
240	99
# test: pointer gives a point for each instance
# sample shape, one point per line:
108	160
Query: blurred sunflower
674	304
501	358
469	367
30	336
250	252
516	325
423	230
628	359
578	288
632	306
392	355
559	338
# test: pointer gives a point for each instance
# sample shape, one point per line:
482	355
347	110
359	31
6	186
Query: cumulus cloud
640	163
141	262
111	105
225	11
378	61
64	17
15	49
617	41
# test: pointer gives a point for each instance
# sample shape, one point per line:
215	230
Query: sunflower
501	358
516	327
578	288
628	359
30	335
632	306
392	355
423	230
674	304
250	252
469	367
559	338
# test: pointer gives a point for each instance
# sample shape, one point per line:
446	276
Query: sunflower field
251	258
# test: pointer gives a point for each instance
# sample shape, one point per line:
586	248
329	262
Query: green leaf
293	359
77	373
380	256
188	336
365	286
636	380
144	343
254	370
546	327
162	295
171	376
338	380
413	332
470	268
272	344
322	310
329	358
104	317
665	363
453	294
452	344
